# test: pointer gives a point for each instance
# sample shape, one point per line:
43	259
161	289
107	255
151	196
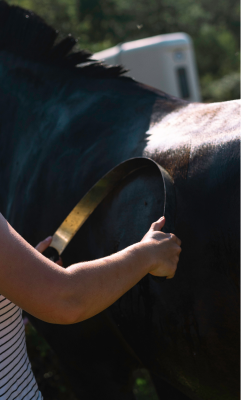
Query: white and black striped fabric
16	377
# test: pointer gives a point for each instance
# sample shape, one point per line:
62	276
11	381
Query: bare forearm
95	285
66	296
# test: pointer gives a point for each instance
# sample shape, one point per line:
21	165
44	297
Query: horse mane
25	34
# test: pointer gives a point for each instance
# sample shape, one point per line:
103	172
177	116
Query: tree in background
213	26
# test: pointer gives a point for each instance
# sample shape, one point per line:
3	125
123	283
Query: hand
44	245
164	249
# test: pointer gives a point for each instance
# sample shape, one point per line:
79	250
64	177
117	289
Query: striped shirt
16	377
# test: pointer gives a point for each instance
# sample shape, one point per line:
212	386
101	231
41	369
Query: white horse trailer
166	62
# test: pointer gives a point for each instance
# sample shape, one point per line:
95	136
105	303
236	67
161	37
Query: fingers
176	239
44	244
179	242
59	262
170	276
175	260
158	225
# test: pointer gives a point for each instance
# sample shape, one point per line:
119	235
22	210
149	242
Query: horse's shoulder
194	132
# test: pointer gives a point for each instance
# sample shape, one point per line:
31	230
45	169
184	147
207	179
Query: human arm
65	296
42	246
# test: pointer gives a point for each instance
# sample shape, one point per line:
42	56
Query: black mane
27	35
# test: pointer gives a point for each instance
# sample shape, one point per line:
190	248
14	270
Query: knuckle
173	237
178	249
176	261
172	274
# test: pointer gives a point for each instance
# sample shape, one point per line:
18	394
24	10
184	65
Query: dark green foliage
51	378
24	33
143	388
214	26
227	87
48	373
99	24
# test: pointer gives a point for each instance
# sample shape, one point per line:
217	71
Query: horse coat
61	129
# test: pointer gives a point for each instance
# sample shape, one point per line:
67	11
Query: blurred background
214	28
212	25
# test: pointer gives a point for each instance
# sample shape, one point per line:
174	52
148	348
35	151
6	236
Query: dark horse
61	129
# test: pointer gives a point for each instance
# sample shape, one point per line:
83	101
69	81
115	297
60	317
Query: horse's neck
61	132
46	108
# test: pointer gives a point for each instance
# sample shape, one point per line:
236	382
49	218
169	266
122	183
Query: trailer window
183	83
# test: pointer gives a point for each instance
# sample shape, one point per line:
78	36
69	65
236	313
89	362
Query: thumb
158	225
44	244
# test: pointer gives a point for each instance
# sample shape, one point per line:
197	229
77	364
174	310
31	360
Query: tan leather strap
100	190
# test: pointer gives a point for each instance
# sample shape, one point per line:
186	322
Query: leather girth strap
99	191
